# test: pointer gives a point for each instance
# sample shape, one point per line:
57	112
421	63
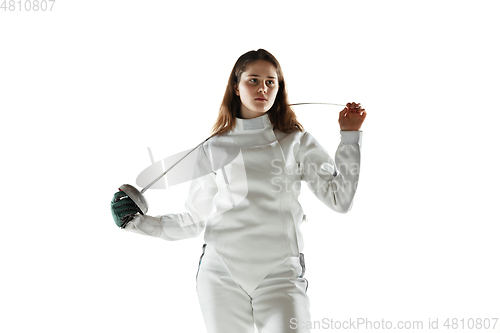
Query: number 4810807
27	5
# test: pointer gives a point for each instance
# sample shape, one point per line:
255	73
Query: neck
246	113
261	122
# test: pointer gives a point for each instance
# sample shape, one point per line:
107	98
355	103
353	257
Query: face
257	89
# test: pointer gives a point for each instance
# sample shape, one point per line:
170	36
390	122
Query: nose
263	87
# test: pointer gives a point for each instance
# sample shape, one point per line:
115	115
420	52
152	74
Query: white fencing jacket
248	201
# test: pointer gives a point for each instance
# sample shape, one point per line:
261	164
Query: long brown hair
280	114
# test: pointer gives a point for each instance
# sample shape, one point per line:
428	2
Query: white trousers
271	307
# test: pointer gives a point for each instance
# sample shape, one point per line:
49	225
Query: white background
87	87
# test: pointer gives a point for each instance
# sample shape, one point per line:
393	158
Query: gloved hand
123	209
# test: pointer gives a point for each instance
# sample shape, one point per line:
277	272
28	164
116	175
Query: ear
236	90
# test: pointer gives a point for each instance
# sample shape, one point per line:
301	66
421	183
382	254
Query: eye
270	82
253	80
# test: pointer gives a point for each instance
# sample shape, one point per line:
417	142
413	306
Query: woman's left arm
335	182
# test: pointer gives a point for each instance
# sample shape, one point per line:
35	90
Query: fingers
355	108
352	109
352	117
118	196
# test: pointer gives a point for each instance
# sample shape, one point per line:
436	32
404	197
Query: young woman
251	271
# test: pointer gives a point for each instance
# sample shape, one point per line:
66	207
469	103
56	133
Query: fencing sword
138	196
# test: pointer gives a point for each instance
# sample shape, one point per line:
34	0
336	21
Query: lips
261	99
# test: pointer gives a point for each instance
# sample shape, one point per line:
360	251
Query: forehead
261	67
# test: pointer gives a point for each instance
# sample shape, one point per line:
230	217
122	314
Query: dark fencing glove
123	209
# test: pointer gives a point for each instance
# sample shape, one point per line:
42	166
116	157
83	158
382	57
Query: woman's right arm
199	205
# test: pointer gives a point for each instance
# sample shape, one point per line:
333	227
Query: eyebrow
271	77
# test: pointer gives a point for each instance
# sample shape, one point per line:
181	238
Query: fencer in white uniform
252	267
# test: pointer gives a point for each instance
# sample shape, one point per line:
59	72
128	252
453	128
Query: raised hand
351	117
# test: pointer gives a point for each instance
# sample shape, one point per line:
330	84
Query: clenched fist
352	117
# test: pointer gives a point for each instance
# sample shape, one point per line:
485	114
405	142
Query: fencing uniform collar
253	124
